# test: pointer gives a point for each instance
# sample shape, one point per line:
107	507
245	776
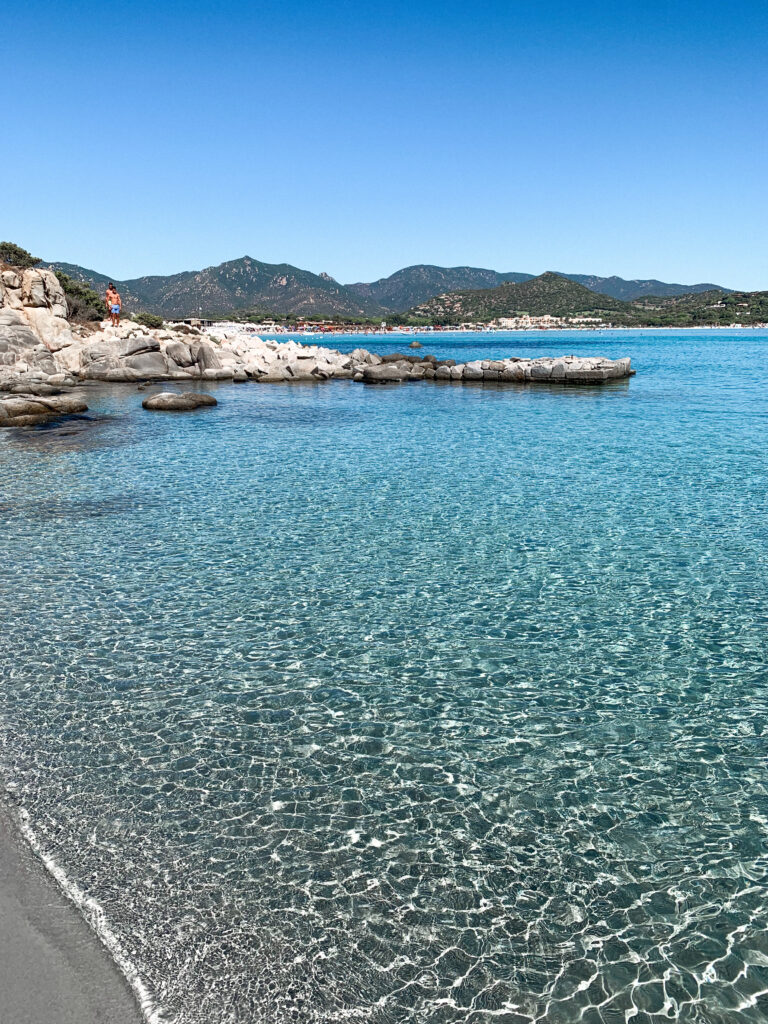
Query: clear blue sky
357	138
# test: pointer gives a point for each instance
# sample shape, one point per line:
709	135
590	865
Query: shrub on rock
83	304
15	256
150	320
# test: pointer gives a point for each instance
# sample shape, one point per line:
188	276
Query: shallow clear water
414	704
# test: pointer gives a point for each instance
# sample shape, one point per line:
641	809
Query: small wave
94	915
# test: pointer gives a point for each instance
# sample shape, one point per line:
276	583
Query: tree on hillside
16	256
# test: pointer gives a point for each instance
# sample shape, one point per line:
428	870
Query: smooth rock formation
34	299
20	410
185	401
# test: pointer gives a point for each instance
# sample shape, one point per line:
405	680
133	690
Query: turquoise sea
425	704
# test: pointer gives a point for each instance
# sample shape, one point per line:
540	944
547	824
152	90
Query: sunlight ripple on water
414	704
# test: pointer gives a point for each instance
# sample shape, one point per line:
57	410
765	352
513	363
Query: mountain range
414	285
244	284
248	285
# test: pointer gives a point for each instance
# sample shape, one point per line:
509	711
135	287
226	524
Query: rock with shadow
29	410
186	401
386	373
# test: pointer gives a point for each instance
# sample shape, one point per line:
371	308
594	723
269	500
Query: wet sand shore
53	969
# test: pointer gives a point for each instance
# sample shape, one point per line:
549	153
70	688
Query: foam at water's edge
95	918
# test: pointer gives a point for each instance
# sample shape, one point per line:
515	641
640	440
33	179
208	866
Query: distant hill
414	285
556	295
701	309
247	284
549	293
627	291
239	284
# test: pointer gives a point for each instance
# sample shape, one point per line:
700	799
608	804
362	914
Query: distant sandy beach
53	969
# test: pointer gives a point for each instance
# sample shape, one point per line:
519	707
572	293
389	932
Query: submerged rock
169	401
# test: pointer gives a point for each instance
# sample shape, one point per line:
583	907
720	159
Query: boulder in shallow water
29	410
415	344
169	401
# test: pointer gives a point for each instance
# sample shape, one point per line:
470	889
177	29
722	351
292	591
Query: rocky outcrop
185	401
37	344
21	350
134	353
33	326
39	299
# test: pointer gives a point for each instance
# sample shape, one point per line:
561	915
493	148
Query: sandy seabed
53	968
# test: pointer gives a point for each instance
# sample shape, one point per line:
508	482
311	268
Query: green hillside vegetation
83	304
554	295
629	291
549	294
714	307
98	282
415	285
13	255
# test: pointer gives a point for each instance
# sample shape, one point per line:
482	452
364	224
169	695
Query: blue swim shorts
115	309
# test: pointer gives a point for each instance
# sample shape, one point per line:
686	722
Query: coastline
428	332
53	967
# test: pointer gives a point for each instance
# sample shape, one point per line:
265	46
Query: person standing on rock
114	302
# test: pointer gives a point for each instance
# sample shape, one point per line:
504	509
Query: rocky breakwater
397	368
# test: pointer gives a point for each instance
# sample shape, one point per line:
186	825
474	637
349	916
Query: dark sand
53	969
